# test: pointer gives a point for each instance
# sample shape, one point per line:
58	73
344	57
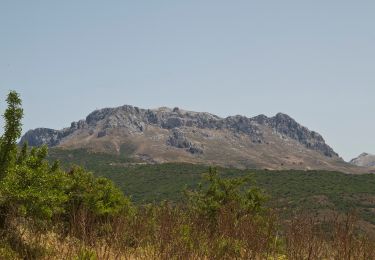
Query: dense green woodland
288	191
125	210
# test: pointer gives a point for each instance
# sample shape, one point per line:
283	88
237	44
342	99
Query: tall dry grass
170	231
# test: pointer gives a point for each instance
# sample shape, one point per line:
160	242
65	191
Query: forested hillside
316	192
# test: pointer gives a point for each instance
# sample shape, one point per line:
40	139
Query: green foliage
86	254
34	191
288	190
12	131
33	188
98	195
218	193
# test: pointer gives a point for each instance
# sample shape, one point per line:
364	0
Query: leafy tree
32	189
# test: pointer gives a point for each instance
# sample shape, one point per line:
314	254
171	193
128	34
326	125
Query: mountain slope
175	135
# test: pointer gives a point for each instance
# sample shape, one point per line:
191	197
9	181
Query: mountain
176	135
364	160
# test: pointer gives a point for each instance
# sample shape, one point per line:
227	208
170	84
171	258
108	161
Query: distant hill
175	135
364	160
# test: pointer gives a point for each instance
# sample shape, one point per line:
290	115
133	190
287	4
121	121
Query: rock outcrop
364	160
178	139
41	136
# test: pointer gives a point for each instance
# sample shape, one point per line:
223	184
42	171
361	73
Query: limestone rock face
364	160
166	133
41	136
136	120
287	126
178	139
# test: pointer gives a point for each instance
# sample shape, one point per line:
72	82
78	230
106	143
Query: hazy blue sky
314	60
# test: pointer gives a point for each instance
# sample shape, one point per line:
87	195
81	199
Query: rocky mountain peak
136	120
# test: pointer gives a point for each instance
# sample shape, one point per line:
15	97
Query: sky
313	60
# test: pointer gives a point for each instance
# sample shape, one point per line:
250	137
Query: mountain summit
168	135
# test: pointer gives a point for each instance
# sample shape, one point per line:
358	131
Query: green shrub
98	195
217	193
34	189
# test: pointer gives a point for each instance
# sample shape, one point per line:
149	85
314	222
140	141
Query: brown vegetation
174	232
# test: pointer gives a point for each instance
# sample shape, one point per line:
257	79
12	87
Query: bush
217	193
93	205
33	189
98	195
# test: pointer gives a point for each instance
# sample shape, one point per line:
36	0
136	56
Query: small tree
13	127
217	193
97	195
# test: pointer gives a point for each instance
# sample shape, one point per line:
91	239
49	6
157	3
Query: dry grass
171	232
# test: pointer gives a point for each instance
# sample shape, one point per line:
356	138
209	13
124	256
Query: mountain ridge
173	134
279	122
